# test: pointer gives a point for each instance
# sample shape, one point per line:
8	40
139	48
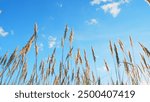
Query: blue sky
94	22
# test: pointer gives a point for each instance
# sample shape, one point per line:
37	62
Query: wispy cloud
52	41
110	6
97	2
92	21
3	33
114	7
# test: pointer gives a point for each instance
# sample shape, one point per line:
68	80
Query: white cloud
112	8
52	41
97	2
3	33
92	21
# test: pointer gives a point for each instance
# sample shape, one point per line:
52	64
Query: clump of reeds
74	66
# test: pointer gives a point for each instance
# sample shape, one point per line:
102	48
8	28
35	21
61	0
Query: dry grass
74	68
